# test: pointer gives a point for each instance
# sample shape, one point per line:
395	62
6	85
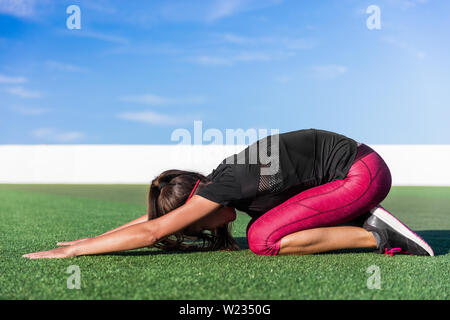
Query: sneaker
395	237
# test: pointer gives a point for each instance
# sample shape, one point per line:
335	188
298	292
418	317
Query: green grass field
35	217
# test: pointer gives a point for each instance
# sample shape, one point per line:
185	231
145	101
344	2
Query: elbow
150	234
151	242
151	239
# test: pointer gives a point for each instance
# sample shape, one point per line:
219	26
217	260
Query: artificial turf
35	217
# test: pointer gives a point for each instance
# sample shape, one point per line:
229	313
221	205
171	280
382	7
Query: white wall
409	164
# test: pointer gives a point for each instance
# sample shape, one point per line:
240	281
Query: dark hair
171	190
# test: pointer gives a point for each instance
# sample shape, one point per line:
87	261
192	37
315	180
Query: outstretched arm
141	219
139	235
135	221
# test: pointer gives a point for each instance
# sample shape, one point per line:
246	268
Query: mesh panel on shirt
270	183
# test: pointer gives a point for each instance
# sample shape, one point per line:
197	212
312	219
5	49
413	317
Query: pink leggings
367	183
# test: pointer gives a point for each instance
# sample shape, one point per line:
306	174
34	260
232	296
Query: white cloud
12	80
29	111
155	100
244	56
329	71
298	43
232	59
212	60
144	49
295	43
151	117
282	79
97	35
404	46
64	66
254	49
26	9
254	56
18	8
406	4
23	93
50	134
212	10
238	39
224	8
104	7
42	132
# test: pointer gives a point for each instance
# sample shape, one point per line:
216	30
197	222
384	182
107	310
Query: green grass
35	217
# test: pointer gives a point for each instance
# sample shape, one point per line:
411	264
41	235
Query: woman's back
276	167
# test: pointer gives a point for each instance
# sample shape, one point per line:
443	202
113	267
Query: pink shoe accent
392	251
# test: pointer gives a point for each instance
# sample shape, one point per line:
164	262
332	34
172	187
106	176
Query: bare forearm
144	218
132	237
126	225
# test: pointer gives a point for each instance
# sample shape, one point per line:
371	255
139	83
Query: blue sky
138	70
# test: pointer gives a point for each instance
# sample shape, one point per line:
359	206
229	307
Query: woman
323	184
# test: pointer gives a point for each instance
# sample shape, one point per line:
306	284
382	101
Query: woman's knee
259	241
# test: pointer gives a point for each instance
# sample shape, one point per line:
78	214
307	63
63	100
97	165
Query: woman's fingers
61	252
34	255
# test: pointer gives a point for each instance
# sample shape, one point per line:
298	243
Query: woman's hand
70	243
61	252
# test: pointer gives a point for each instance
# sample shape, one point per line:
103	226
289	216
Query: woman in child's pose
307	201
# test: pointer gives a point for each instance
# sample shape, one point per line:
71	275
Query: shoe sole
398	226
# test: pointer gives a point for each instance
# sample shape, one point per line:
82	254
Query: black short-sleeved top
306	158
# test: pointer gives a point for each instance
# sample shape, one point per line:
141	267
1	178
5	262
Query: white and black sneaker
394	236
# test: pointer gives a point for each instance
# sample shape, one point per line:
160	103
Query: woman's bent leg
366	185
326	239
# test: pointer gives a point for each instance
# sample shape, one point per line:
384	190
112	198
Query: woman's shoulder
223	170
224	187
